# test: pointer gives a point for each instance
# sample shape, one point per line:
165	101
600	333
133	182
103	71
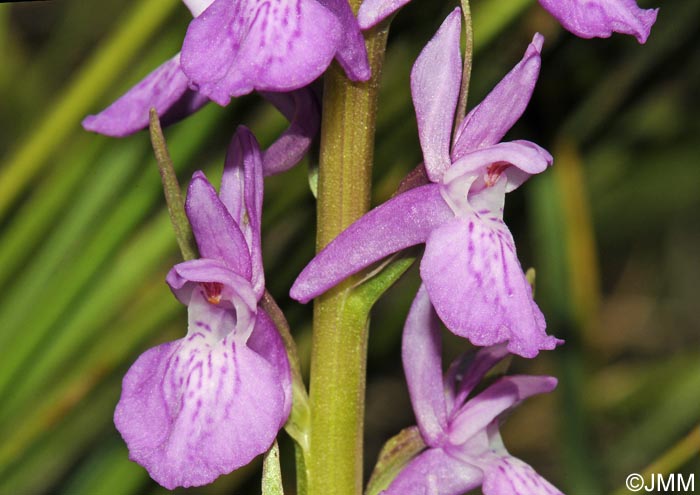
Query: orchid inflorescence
205	405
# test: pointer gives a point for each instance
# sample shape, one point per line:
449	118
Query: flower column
338	361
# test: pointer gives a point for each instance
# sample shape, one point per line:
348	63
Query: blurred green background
612	229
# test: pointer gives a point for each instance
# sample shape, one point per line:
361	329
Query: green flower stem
467	68
172	190
339	350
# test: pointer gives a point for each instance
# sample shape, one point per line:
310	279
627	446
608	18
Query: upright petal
372	12
435	81
489	121
421	354
165	89
511	476
303	111
401	222
234	47
435	472
466	372
478	288
601	18
503	395
197	408
218	237
242	194
266	341
352	54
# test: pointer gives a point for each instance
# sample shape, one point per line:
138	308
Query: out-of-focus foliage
612	230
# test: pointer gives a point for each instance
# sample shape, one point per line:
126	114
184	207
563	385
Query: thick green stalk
339	352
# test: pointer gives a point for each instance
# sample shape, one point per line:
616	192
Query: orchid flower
470	259
166	90
584	18
207	404
272	50
465	448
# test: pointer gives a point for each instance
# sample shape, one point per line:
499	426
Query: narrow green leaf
61	445
80	94
491	18
107	471
149	313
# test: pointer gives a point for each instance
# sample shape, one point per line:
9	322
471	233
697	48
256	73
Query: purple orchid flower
584	18
465	448
276	51
207	404
470	259
166	90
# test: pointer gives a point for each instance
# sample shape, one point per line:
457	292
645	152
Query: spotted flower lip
459	427
470	259
207	404
584	18
236	46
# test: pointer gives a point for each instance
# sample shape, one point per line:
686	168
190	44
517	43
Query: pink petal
503	395
435	81
234	47
401	222
242	195
303	111
478	288
165	89
197	408
466	372
511	476
218	237
600	18
489	121
266	341
422	363
351	55
434	472
372	12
